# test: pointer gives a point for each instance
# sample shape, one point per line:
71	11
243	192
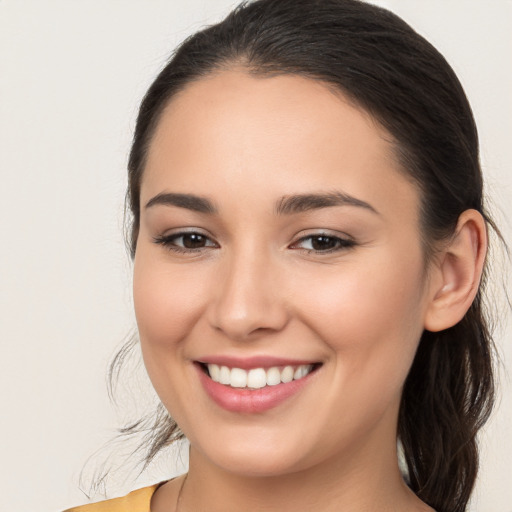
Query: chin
250	458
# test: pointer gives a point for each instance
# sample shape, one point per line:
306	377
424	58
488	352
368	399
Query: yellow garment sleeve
136	501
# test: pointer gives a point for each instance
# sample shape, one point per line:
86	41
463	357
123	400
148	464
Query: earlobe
458	273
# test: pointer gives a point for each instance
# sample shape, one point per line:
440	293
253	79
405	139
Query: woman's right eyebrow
189	201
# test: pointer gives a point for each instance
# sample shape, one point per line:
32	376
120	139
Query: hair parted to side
374	58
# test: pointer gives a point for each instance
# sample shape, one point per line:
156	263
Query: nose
248	299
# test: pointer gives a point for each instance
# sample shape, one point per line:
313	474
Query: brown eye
185	242
193	240
324	243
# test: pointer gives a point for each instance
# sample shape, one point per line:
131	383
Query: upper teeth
257	377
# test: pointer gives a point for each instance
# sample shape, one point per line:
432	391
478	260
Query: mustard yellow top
136	501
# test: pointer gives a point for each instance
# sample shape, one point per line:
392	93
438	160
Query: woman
309	241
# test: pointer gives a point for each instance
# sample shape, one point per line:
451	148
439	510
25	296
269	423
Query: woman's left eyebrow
288	205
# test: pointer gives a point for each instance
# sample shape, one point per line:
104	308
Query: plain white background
71	76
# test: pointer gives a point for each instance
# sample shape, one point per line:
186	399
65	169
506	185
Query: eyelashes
322	243
186	242
191	242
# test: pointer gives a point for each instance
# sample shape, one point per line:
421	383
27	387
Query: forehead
278	135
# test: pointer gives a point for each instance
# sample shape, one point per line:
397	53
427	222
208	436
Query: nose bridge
248	299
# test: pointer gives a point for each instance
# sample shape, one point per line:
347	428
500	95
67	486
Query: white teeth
238	378
257	378
273	376
298	373
287	374
214	372
224	375
302	371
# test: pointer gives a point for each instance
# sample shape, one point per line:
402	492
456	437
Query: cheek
361	300
371	317
167	306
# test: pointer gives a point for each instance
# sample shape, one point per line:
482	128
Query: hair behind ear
447	397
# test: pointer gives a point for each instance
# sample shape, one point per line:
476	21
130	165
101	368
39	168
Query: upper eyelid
304	234
185	230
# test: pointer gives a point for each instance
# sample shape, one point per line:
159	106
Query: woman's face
277	235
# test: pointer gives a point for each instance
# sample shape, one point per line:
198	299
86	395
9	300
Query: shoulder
136	501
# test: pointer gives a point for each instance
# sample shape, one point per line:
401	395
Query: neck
366	479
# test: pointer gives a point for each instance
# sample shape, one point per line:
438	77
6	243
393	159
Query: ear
457	272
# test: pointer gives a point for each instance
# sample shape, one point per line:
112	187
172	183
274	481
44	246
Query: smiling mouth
257	378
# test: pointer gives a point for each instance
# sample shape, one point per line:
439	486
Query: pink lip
243	400
247	363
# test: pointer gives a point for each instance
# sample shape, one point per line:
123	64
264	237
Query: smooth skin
344	285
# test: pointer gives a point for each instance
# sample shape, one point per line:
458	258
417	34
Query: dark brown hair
379	62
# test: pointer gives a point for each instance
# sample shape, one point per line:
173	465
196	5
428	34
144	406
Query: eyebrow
287	205
189	201
304	202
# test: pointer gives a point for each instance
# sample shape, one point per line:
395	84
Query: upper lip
248	363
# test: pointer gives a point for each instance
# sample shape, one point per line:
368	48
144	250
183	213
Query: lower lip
246	400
